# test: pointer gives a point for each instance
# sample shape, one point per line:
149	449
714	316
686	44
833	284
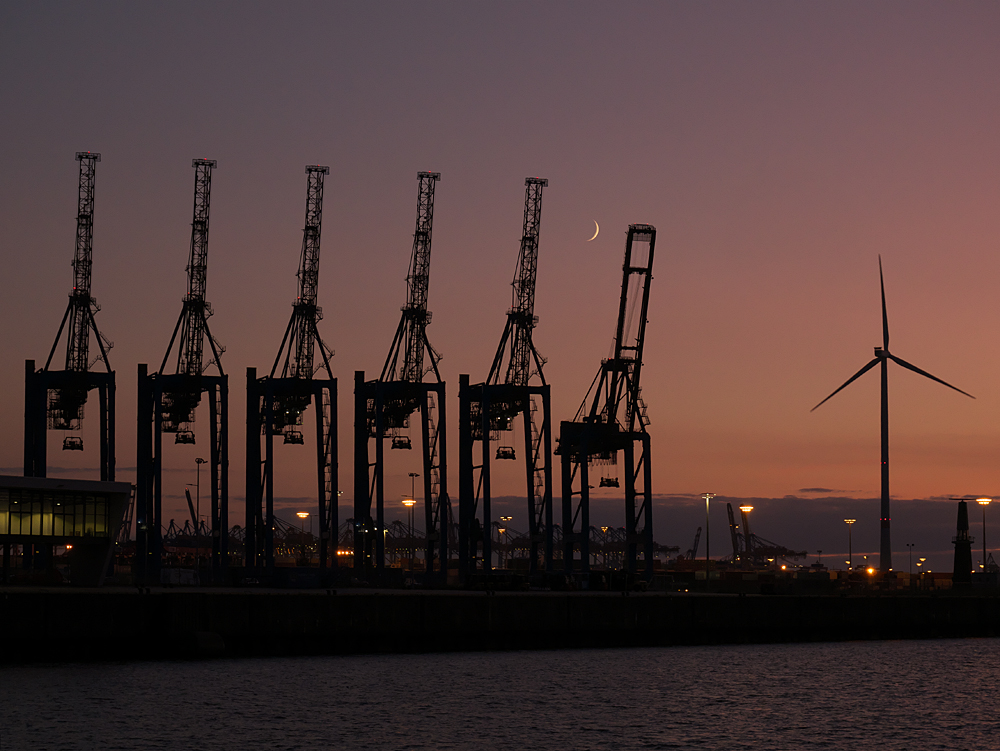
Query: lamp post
197	512
850	551
708	497
909	553
303	515
410	503
747	535
984	502
503	532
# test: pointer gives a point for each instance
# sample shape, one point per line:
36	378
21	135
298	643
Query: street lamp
850	551
708	497
984	502
747	535
909	552
503	531
303	515
410	503
197	486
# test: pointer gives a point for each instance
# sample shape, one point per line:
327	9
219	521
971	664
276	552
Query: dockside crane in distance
276	403
693	552
382	409
168	402
612	418
55	399
487	410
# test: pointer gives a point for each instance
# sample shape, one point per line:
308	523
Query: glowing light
983	501
871	571
302	514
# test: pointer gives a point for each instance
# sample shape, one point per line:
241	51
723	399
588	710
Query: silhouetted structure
84	516
276	403
167	403
488	410
882	356
614	421
751	550
382	409
55	399
963	548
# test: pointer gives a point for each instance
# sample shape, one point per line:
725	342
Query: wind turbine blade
849	381
885	317
915	369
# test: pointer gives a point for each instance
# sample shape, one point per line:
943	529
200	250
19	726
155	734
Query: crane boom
618	381
521	316
196	309
66	402
308	274
693	552
82	306
411	334
302	333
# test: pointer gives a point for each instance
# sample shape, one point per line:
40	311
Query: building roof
11	482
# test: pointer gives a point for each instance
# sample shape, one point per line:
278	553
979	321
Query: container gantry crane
276	403
167	403
612	418
382	410
487	410
55	399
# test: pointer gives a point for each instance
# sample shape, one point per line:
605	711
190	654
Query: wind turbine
882	355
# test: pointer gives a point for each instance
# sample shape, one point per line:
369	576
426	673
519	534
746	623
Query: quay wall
106	624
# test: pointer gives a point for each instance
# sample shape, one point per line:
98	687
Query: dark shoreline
48	625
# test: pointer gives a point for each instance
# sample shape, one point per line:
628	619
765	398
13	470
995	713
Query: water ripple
896	695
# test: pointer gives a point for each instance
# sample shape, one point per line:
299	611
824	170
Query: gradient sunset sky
777	147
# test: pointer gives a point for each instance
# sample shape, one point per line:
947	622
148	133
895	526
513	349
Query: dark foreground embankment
47	625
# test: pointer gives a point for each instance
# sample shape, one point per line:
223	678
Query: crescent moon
597	230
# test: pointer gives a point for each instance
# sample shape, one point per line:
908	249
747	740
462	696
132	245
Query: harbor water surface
893	695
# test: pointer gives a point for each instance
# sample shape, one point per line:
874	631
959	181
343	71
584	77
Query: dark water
890	695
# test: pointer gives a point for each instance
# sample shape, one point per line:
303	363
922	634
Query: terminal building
38	515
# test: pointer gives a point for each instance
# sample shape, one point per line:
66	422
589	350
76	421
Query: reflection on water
897	695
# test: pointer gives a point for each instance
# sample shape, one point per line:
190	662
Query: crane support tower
55	399
382	410
487	411
167	403
612	418
276	404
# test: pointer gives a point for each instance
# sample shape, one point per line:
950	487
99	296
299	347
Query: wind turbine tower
882	357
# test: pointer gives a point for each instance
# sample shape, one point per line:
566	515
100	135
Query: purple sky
777	147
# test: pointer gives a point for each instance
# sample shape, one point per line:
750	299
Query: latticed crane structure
168	401
751	550
55	399
383	407
277	402
612	419
514	387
